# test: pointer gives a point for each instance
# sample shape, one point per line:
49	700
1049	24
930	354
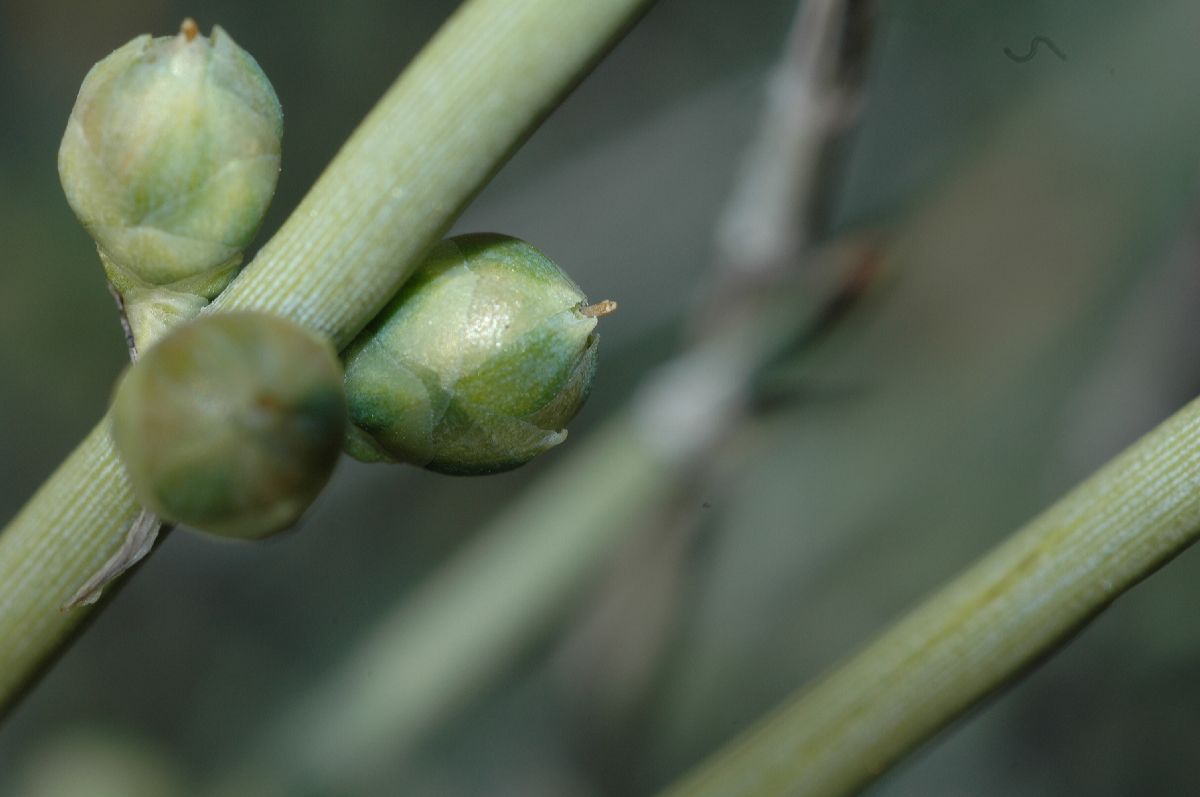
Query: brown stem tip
189	28
599	309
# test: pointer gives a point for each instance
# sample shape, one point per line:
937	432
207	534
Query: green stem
977	633
454	116
446	125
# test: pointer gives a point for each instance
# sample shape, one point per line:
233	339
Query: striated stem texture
977	633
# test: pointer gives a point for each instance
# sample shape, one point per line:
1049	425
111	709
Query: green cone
170	159
232	423
477	365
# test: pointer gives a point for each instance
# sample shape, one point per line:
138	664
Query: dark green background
1042	317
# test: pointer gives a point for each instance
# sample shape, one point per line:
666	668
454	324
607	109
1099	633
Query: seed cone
477	365
170	159
232	423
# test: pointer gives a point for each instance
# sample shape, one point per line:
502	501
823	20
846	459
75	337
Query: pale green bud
231	423
477	365
170	159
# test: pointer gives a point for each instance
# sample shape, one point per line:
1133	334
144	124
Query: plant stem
454	116
443	645
435	138
979	632
780	206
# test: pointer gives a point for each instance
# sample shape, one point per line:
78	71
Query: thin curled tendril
1033	48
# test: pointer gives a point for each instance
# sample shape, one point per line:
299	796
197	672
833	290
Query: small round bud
231	423
476	365
170	159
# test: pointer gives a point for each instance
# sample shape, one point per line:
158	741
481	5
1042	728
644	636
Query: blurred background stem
463	629
395	187
1014	607
767	298
434	651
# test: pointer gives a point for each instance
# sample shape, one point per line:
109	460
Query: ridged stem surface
978	632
